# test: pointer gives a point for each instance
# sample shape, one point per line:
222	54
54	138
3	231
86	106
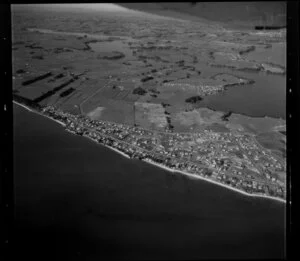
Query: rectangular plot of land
31	93
131	97
111	110
119	111
36	89
71	108
110	92
98	97
150	115
88	91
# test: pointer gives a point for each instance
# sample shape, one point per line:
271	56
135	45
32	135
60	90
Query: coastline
27	108
247	115
214	182
162	166
118	151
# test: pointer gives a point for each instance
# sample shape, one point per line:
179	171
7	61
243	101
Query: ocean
79	200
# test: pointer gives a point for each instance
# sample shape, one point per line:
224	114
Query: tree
139	91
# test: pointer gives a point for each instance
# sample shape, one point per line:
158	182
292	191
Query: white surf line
60	122
114	149
71	132
63	124
212	181
27	108
164	167
120	152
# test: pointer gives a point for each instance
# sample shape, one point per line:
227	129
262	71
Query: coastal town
148	131
186	102
233	159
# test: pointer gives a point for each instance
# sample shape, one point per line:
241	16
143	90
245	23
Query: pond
111	47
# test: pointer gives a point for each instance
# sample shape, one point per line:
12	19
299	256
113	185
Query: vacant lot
274	141
96	114
150	115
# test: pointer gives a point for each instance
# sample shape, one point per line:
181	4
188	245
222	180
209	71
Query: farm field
151	71
154	132
112	61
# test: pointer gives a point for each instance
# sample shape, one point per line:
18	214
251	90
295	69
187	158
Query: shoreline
246	115
27	108
212	181
160	165
114	149
120	152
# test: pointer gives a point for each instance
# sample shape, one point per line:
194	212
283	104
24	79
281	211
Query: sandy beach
214	182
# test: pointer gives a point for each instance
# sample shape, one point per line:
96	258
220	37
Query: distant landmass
240	14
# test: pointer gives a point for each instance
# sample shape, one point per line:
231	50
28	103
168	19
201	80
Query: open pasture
274	141
150	115
256	124
96	113
117	111
195	119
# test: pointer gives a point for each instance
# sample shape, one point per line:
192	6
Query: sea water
77	199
